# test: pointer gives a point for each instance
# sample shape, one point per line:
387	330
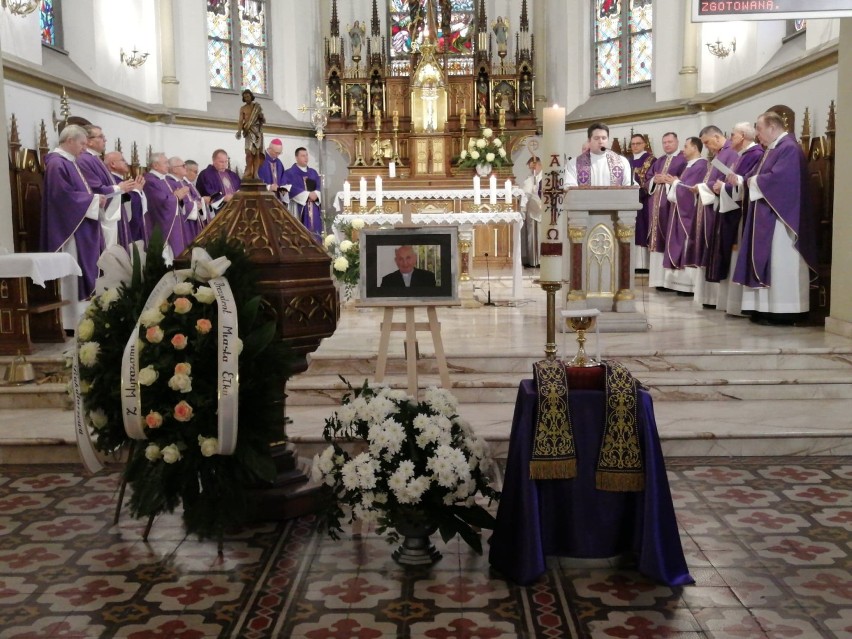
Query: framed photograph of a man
409	264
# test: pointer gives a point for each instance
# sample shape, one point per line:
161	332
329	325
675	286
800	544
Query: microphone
488	279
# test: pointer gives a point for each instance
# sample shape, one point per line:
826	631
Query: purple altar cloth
570	517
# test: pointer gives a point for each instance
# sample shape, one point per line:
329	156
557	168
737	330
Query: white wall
16	36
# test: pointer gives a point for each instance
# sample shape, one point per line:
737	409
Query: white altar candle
363	192
477	193
492	189
378	191
392	169
347	194
550	268
508	193
553	138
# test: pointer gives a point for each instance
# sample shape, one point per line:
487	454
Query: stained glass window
237	44
407	18
47	17
623	42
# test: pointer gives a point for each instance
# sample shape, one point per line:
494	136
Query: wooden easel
410	327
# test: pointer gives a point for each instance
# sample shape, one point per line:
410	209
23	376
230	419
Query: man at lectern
598	166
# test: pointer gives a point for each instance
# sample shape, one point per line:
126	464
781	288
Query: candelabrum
462	125
377	151
20	7
396	159
134	59
550	289
501	121
359	139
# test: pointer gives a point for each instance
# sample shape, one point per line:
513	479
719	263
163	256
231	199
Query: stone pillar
689	69
167	55
576	256
625	229
6	228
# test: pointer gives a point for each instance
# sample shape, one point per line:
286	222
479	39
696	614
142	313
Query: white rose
329	241
463	154
98	417
181	382
89	353
341	264
85	330
209	445
153	452
498	142
487	133
148	376
345	245
205	295
471	142
358	224
489	157
502	152
151	317
474	155
481	143
108	297
183	288
171	454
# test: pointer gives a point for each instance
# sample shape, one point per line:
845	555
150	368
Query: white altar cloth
461	219
432	194
39	267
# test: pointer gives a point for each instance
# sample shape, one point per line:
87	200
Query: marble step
327	390
35	395
687	429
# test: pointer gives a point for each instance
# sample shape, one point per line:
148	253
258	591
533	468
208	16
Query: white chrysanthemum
108	297
362	408
395	435
381	408
98	418
85	330
346	414
481	143
89	353
329	241
148	376
205	295
341	264
498	142
489	157
397	483
421	422
501	152
183	288
151	317
345	245
358	224
463	154
368	467
349	475
487	133
365	513
474	155
471	143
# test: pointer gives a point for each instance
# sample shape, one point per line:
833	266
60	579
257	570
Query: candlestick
392	169
462	118
553	138
492	189
550	268
550	289
359	119
477	193
396	119
379	192
508	193
347	194
363	192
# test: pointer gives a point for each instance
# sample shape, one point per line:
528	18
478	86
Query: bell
20	371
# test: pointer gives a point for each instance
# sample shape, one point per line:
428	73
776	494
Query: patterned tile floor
768	540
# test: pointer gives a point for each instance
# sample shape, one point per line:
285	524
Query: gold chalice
581	321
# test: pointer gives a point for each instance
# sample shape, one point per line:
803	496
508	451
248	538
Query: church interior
389	97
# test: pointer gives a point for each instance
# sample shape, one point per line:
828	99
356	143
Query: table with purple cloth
572	518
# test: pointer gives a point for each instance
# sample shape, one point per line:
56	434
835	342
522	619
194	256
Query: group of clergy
90	203
735	230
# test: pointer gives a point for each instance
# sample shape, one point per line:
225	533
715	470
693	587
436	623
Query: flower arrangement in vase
346	255
395	461
483	153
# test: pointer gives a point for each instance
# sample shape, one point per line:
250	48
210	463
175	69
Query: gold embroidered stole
620	465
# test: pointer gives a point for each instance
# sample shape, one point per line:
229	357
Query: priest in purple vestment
70	214
131	224
101	182
305	194
272	171
164	211
683	193
191	208
640	163
671	163
779	240
598	165
217	183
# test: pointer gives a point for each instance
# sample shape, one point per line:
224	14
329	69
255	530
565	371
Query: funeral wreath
394	460
182	369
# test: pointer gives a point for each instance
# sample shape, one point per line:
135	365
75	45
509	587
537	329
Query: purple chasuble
309	213
188	227
164	212
584	169
640	166
680	238
271	171
195	226
131	226
215	184
658	205
782	178
727	229
64	203
97	174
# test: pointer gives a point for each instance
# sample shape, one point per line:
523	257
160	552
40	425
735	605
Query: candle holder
359	140
377	151
396	159
550	289
581	321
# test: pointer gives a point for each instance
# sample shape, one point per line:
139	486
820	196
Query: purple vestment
164	212
307	212
97	174
195	226
215	184
65	201
726	234
782	178
658	205
271	171
131	224
707	218
683	217
640	166
188	227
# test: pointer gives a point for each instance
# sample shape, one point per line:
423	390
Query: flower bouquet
412	462
345	255
163	404
483	152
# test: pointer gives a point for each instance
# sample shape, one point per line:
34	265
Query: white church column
840	320
5	193
688	70
167	55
